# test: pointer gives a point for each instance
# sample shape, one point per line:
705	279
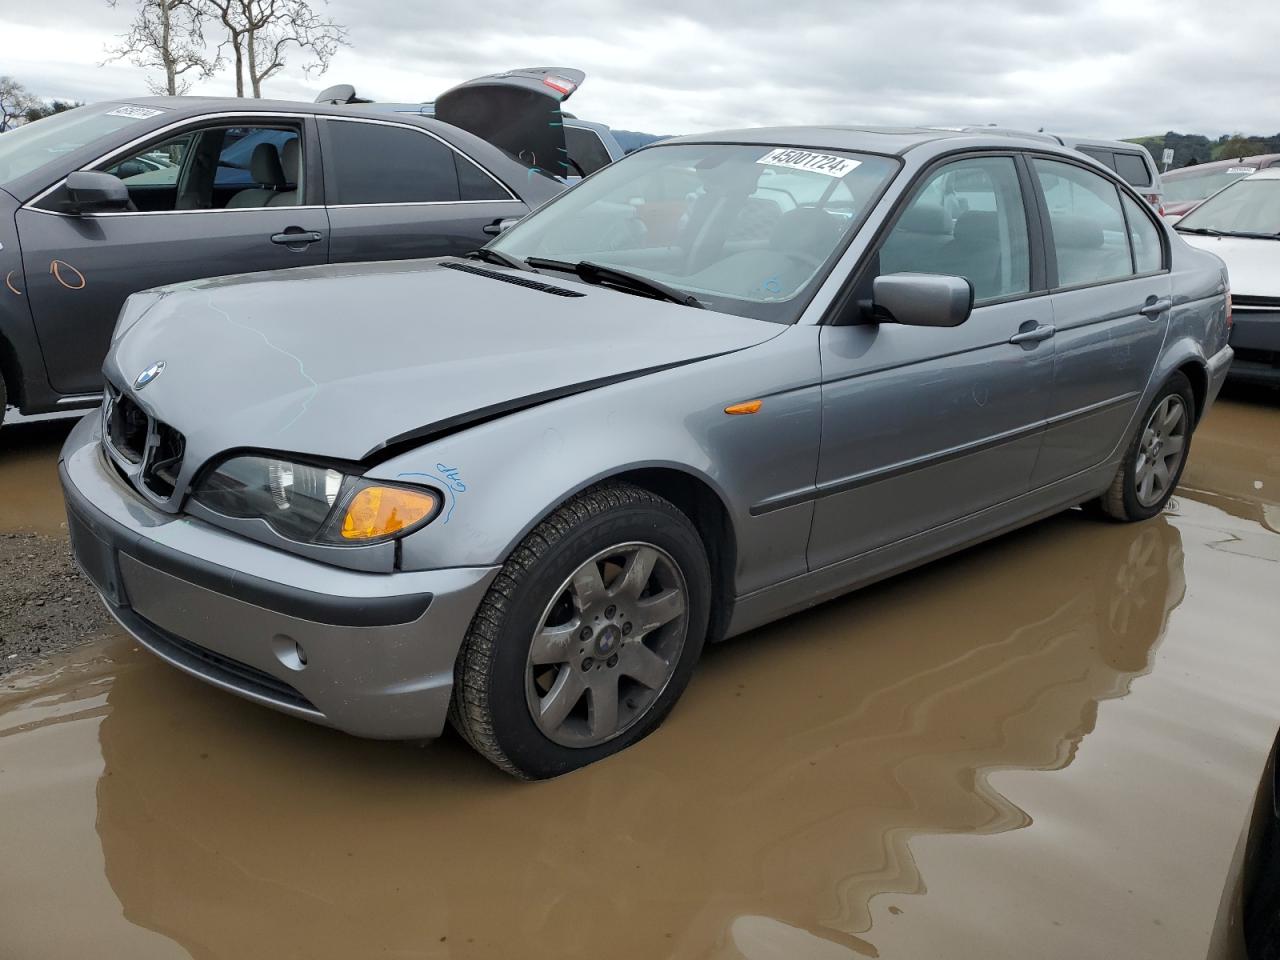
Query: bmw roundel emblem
149	374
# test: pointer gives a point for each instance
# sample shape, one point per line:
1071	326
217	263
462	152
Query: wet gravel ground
46	606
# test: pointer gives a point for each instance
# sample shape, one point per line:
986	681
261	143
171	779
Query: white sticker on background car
1242	169
137	113
823	163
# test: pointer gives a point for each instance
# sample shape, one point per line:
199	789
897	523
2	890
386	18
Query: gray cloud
666	65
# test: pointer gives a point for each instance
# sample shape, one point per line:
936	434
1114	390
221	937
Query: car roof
895	141
195	106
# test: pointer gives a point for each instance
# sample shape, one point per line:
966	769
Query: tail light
1230	321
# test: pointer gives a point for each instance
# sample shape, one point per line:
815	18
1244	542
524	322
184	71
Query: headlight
315	504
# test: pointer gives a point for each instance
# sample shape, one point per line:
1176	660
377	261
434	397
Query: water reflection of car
99	202
808	807
1241	224
540	478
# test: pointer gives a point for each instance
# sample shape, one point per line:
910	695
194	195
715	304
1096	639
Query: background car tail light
1230	320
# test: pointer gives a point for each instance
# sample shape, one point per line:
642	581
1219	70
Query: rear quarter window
1133	169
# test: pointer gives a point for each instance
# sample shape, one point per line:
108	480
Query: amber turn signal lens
377	512
748	406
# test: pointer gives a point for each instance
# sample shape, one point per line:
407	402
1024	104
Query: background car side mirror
94	192
921	299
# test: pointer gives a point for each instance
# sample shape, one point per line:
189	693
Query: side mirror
500	226
94	192
921	299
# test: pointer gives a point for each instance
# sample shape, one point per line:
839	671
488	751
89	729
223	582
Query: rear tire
1154	461
588	635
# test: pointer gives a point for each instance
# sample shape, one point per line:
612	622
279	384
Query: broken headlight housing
312	503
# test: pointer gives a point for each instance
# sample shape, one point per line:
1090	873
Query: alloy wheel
1160	450
607	645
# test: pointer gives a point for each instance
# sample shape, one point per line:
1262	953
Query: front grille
161	472
224	669
127	428
147	451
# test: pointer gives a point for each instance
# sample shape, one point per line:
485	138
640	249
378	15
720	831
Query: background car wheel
1154	461
588	635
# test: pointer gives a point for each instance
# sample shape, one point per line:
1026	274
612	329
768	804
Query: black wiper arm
498	257
611	276
1203	231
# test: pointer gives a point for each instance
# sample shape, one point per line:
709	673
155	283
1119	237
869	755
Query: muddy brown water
1046	746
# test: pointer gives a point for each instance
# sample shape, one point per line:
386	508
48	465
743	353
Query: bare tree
260	34
15	101
166	35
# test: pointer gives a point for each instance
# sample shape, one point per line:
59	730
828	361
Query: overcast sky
669	66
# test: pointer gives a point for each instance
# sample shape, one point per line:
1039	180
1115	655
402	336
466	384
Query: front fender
501	477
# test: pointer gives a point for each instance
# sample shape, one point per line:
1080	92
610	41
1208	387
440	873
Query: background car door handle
1153	308
296	238
1042	331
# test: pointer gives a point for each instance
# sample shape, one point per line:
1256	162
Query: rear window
1133	169
586	149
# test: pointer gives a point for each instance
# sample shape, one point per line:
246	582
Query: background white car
1241	224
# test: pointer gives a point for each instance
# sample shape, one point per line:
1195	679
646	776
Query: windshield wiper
596	273
1210	232
500	258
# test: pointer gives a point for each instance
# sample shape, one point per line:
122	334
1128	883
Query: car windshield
1247	206
748	230
1183	189
34	144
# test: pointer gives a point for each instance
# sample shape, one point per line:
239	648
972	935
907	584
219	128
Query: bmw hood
342	361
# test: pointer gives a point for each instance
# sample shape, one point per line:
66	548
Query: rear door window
374	163
1089	235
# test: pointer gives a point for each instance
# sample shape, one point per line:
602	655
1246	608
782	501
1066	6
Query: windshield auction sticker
823	163
137	113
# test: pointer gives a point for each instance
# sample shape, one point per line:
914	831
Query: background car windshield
1197	186
32	145
745	229
1247	206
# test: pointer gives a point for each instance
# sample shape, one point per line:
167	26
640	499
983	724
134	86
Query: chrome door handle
297	238
1153	308
1036	334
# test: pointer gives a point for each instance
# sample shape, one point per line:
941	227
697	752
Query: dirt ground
46	606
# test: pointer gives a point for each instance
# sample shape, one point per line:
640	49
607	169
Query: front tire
588	635
1153	464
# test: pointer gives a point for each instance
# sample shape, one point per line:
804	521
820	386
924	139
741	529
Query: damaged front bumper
370	654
